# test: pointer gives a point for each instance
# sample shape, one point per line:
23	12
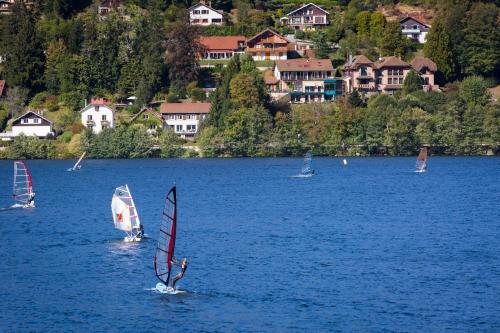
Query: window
145	116
103	117
36	121
389	80
178	128
97	108
363	71
205	20
25	121
191	128
400	80
89	117
204	11
319	19
216	20
196	12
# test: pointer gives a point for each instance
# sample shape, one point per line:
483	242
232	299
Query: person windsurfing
183	265
31	200
140	232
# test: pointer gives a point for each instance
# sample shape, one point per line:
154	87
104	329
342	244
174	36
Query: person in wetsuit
30	202
140	232
183	264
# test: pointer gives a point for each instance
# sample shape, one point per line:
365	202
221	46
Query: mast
166	238
79	160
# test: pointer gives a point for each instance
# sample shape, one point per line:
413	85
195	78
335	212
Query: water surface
368	247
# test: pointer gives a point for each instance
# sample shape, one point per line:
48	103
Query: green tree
392	42
438	47
22	50
243	91
321	45
474	91
412	83
30	147
377	24
482	39
363	23
182	47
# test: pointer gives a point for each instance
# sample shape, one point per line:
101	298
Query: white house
98	115
414	29
32	124
184	118
202	14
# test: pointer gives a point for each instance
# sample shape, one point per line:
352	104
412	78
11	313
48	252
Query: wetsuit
179	275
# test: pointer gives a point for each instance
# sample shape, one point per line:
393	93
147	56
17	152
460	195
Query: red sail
166	238
23	185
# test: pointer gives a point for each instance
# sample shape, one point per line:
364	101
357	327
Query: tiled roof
277	38
307	5
360	60
204	5
419	19
391	62
299	65
420	62
198	107
222	42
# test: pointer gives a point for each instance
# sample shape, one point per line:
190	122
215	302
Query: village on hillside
246	78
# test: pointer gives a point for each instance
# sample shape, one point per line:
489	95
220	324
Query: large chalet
267	45
307	17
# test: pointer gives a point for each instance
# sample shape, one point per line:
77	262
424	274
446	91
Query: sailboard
422	160
166	242
78	165
307	167
23	186
125	216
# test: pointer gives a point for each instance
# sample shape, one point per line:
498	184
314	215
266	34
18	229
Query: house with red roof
307	17
222	47
185	118
267	45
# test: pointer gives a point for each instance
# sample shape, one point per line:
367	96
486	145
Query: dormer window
36	121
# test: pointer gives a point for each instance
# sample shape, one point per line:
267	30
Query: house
307	17
107	5
6	6
184	118
300	46
427	70
414	29
307	80
150	119
32	124
222	47
98	115
387	75
202	14
267	45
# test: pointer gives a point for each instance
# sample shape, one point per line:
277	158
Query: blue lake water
369	247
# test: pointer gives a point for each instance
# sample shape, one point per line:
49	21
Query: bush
30	147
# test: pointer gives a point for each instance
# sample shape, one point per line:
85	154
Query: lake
367	247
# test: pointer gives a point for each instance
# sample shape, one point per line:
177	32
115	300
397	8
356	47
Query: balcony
90	123
105	123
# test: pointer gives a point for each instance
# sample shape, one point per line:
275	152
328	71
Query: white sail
307	168
125	215
77	165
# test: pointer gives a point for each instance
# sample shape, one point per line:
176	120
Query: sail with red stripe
23	185
166	238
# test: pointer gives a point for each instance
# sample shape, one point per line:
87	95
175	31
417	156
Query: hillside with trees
57	54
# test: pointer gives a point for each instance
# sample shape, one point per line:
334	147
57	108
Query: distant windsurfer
183	265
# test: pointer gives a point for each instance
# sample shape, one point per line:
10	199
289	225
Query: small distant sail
344	161
422	160
125	215
307	167
77	165
166	238
23	186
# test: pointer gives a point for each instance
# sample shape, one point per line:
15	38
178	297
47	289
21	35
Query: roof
420	63
270	80
205	5
418	20
197	107
2	86
222	42
360	60
299	65
33	113
97	101
271	31
148	110
391	61
307	5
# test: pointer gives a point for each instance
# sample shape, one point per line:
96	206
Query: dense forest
58	53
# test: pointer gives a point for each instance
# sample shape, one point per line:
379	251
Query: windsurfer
31	200
140	232
183	264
